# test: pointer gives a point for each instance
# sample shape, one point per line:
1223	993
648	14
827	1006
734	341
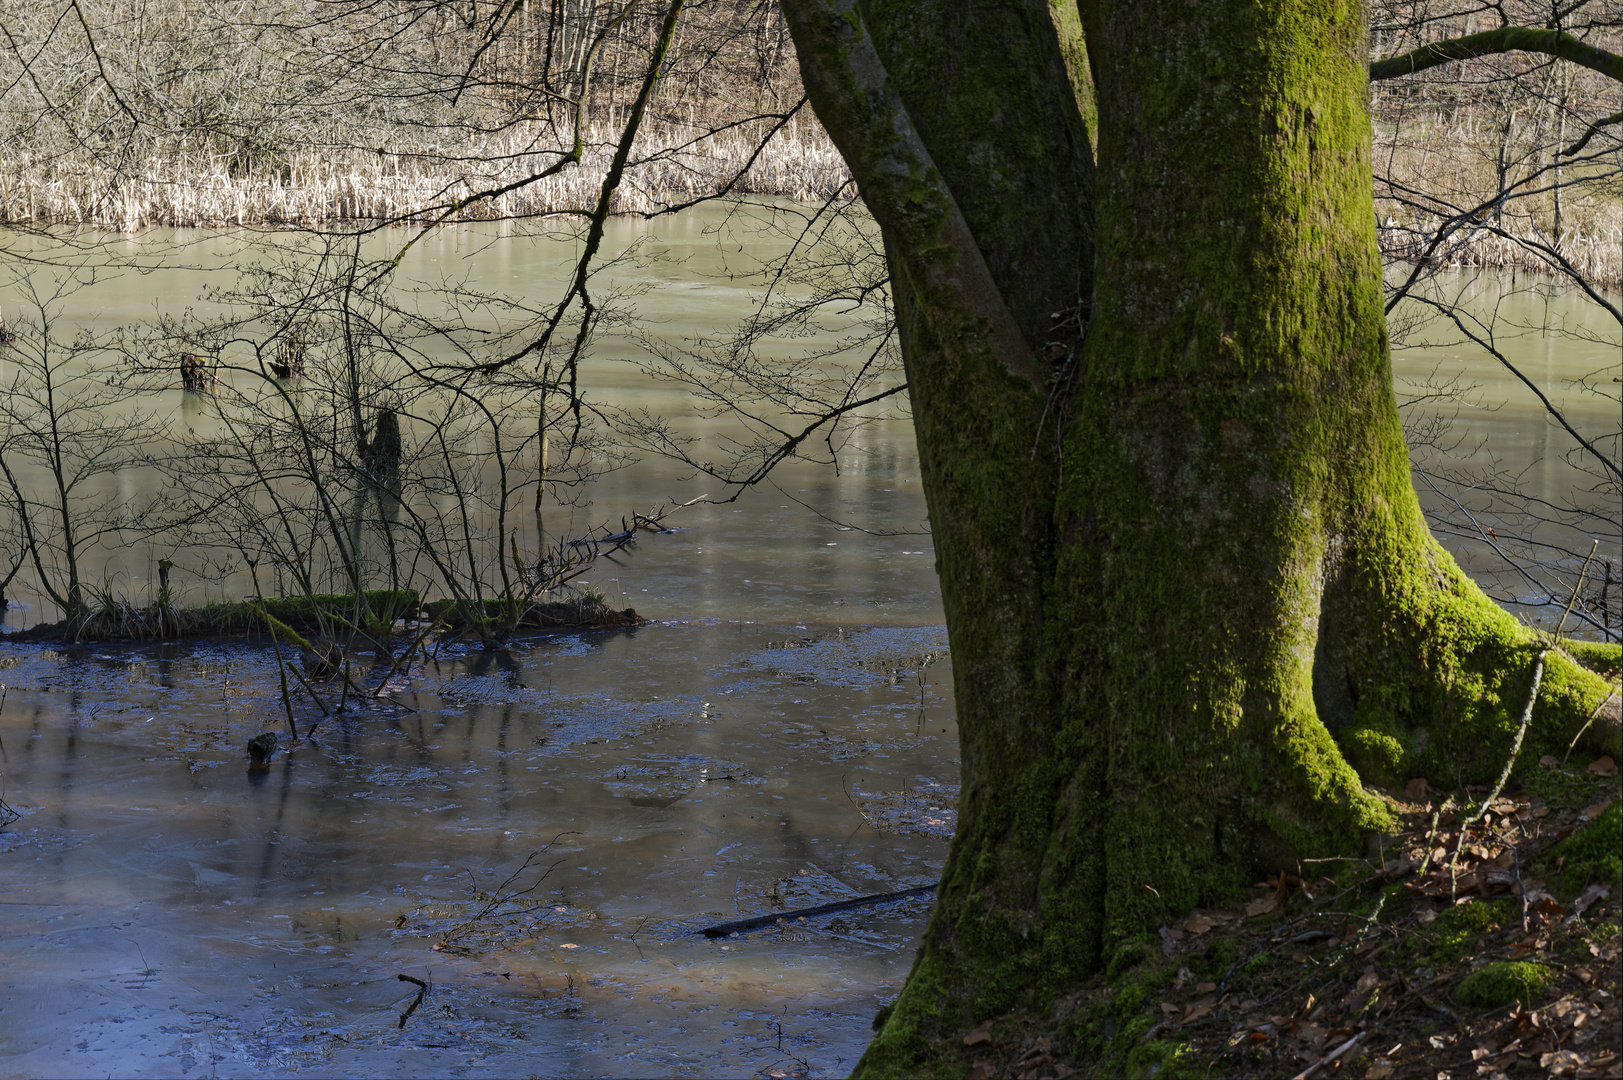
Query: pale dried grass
676	164
1593	249
1455	165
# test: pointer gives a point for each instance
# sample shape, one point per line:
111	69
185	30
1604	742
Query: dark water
781	736
169	913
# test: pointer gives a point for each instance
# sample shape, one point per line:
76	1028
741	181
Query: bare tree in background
69	426
1499	187
345	118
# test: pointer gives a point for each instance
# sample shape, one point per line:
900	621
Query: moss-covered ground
1504	962
115	618
331	614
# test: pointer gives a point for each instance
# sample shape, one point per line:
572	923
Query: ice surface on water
167	913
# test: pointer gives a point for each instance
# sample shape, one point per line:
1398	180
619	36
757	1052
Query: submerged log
761	922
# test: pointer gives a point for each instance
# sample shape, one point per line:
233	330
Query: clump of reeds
672	163
1595	252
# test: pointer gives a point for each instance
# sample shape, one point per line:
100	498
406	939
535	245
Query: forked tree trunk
1187	582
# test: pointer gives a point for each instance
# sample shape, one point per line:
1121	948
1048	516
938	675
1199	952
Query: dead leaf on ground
1380	1069
1261	906
1532	887
1562	1062
1595	811
982	1034
1590	895
1199	1010
1603	766
1549	909
1198	924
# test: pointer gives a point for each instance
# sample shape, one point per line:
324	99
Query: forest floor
1486	948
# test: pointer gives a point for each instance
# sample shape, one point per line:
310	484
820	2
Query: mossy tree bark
1189	590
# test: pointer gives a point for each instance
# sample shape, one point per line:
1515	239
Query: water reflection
1507	489
184	918
689	292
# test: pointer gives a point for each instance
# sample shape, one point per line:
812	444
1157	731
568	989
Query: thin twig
1431	835
406	656
744	926
1521	887
1482	807
1331	1056
1607	700
307	687
422	991
1573	599
276	644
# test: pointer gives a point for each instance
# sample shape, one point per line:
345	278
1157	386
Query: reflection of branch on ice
563	562
761	921
585	550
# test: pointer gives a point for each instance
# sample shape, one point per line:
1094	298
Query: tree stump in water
260	749
380	455
197	373
290	354
321	660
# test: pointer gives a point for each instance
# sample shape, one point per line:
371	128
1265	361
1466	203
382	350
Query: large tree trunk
1187	582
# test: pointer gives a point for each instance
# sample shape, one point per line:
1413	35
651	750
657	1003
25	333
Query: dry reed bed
798	163
1596	252
678	163
1432	166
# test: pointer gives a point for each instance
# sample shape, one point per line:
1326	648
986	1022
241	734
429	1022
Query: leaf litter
1354	967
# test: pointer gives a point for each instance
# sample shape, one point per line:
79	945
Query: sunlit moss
1592	855
1503	982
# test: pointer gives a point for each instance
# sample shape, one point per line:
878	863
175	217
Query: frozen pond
169	913
559	818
